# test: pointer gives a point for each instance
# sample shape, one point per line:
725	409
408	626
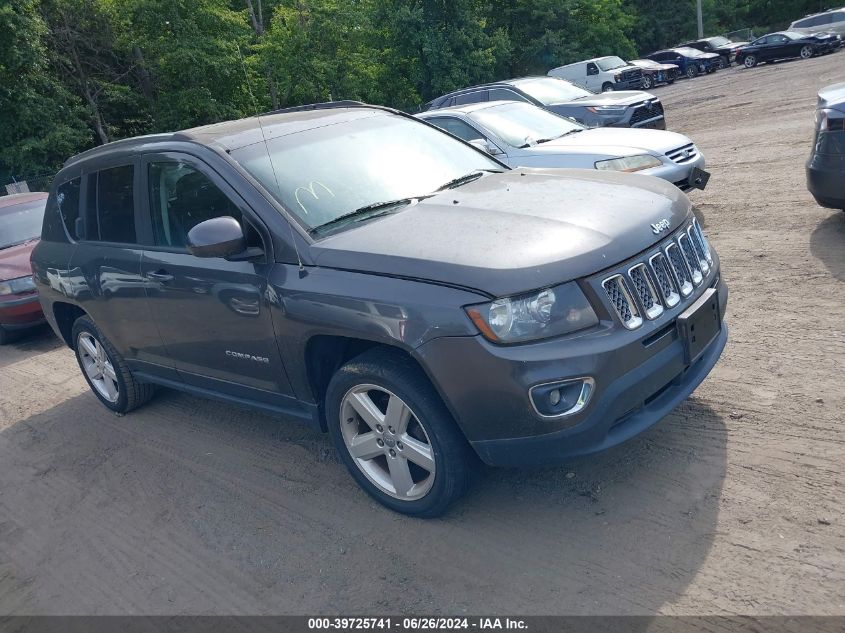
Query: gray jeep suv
363	271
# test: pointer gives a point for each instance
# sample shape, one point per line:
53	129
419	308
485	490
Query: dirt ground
734	504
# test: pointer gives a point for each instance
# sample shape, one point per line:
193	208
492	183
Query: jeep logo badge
658	227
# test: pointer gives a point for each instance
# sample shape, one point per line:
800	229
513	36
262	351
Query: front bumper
20	311
826	179
640	376
676	173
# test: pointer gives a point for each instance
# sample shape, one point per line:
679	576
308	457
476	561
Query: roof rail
328	105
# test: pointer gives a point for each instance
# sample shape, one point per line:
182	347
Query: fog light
561	398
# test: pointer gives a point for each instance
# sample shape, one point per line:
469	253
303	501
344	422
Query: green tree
42	122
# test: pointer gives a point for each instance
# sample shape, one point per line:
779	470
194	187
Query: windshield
522	124
793	35
21	222
719	41
609	63
549	90
329	171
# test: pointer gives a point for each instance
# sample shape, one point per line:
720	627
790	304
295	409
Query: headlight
630	163
17	286
608	109
550	312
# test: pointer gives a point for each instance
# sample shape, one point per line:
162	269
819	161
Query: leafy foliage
75	73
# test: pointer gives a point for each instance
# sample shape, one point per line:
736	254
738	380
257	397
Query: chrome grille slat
691	258
699	234
644	287
668	288
622	301
683	154
703	264
679	268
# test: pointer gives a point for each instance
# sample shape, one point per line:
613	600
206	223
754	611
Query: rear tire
105	370
750	61
410	455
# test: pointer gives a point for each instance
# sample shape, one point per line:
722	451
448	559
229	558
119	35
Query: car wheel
647	82
692	71
750	61
105	370
723	63
395	435
607	87
806	52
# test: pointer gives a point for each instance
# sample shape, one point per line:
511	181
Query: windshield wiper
374	210
462	180
554	138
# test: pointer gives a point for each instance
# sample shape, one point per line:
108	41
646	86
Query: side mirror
486	146
217	237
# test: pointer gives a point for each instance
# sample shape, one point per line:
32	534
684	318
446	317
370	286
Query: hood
14	261
661	67
617	97
730	46
634	140
832	96
513	232
703	55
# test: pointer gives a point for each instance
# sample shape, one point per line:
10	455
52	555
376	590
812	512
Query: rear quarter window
62	212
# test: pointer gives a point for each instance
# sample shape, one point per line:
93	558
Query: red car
21	215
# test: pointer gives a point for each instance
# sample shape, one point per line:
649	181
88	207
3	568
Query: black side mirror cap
217	237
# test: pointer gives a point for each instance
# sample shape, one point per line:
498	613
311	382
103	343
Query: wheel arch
65	315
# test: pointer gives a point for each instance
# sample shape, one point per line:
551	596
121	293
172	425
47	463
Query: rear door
104	273
213	314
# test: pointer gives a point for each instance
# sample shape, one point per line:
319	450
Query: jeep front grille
661	280
622	301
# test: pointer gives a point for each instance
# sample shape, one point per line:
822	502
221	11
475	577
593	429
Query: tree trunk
144	79
84	85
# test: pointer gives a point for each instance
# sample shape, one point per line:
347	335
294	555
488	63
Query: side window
503	94
457	127
180	198
67	201
110	215
592	69
471	97
837	17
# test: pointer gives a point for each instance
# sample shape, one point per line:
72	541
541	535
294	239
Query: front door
213	314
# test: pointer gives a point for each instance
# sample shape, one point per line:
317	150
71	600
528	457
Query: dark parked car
21	215
396	287
722	46
655	73
826	167
622	108
785	45
690	61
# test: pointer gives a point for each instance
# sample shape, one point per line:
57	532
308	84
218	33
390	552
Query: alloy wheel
806	52
97	366
750	61
646	82
387	442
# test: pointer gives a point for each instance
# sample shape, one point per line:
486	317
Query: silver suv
832	21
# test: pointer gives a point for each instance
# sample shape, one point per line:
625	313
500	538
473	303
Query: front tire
395	435
647	82
692	72
806	52
750	61
105	370
723	63
607	87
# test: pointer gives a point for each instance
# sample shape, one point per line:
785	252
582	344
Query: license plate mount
698	178
699	324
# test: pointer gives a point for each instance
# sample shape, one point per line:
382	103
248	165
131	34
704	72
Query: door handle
160	275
